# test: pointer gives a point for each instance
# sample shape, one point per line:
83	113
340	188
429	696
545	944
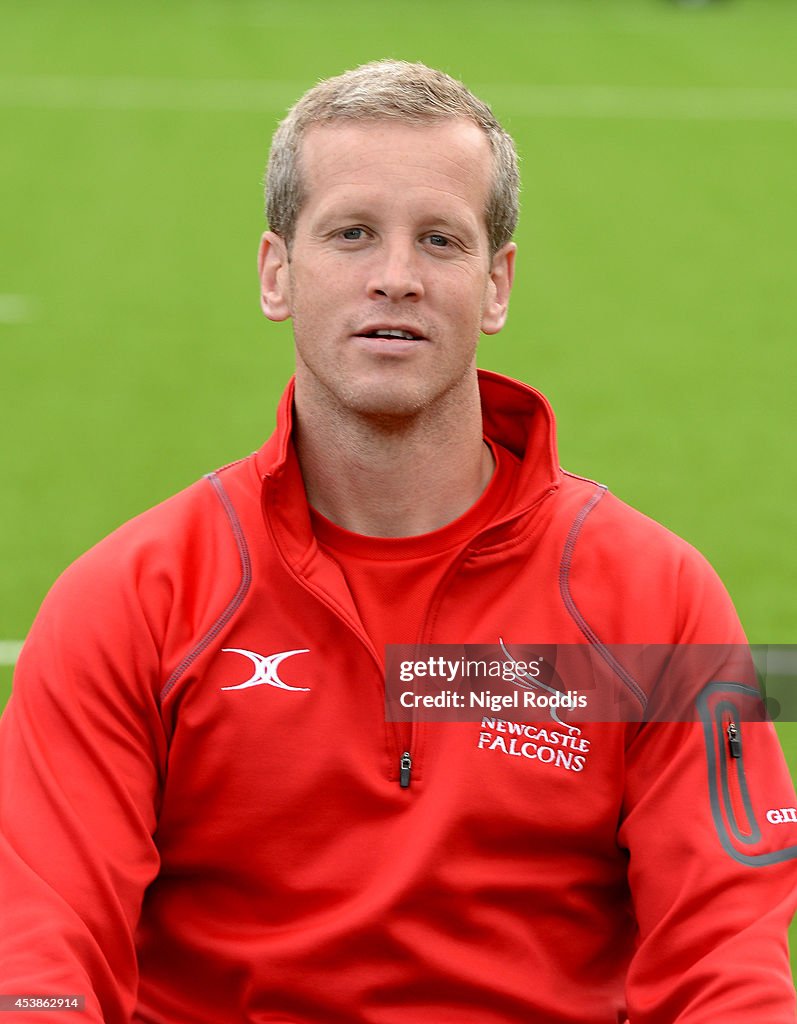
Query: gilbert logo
780	815
265	669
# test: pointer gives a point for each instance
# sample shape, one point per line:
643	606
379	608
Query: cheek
469	302
313	309
470	285
319	286
302	295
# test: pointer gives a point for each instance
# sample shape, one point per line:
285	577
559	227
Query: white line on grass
781	661
676	103
147	93
778	660
9	651
15	309
681	103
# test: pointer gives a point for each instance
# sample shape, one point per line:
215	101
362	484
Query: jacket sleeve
82	754
712	855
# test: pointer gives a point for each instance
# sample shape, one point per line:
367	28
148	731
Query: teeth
405	335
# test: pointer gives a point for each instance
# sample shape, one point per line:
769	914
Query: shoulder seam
572	607
583	479
237	598
228	465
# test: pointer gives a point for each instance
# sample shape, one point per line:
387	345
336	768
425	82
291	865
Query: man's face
391	238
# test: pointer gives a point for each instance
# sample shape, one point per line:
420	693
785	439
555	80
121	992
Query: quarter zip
288	523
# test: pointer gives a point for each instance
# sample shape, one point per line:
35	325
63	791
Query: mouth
392	334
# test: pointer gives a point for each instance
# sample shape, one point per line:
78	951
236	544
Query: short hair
394	90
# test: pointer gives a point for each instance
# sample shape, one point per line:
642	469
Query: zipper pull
734	740
405	769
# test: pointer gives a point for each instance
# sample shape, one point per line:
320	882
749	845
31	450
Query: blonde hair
395	90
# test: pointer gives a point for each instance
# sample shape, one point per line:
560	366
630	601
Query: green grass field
656	267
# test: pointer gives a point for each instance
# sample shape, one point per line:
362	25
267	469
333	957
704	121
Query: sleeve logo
781	815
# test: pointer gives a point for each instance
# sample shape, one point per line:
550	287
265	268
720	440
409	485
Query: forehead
444	161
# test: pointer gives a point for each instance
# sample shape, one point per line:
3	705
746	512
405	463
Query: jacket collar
514	414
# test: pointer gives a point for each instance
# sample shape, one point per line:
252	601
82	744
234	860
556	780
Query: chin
386	406
390	398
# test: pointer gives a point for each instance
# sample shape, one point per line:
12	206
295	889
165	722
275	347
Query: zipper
734	740
721	708
425	632
405	770
268	501
329	602
735	766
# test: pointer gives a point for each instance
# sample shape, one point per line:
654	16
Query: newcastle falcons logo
265	669
526	682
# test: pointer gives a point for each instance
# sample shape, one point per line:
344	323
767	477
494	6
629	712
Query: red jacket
181	852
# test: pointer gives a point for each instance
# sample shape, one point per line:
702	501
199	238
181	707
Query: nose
396	273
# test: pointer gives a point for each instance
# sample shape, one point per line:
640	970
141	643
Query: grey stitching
240	594
570	604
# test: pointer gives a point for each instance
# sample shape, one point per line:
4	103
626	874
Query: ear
272	266
496	299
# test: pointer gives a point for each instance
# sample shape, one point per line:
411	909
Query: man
206	816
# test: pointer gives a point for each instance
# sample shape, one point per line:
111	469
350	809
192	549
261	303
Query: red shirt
200	812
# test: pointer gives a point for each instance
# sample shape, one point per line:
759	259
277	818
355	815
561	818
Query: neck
384	477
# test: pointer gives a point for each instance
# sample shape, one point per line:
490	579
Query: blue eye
352	234
439	241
